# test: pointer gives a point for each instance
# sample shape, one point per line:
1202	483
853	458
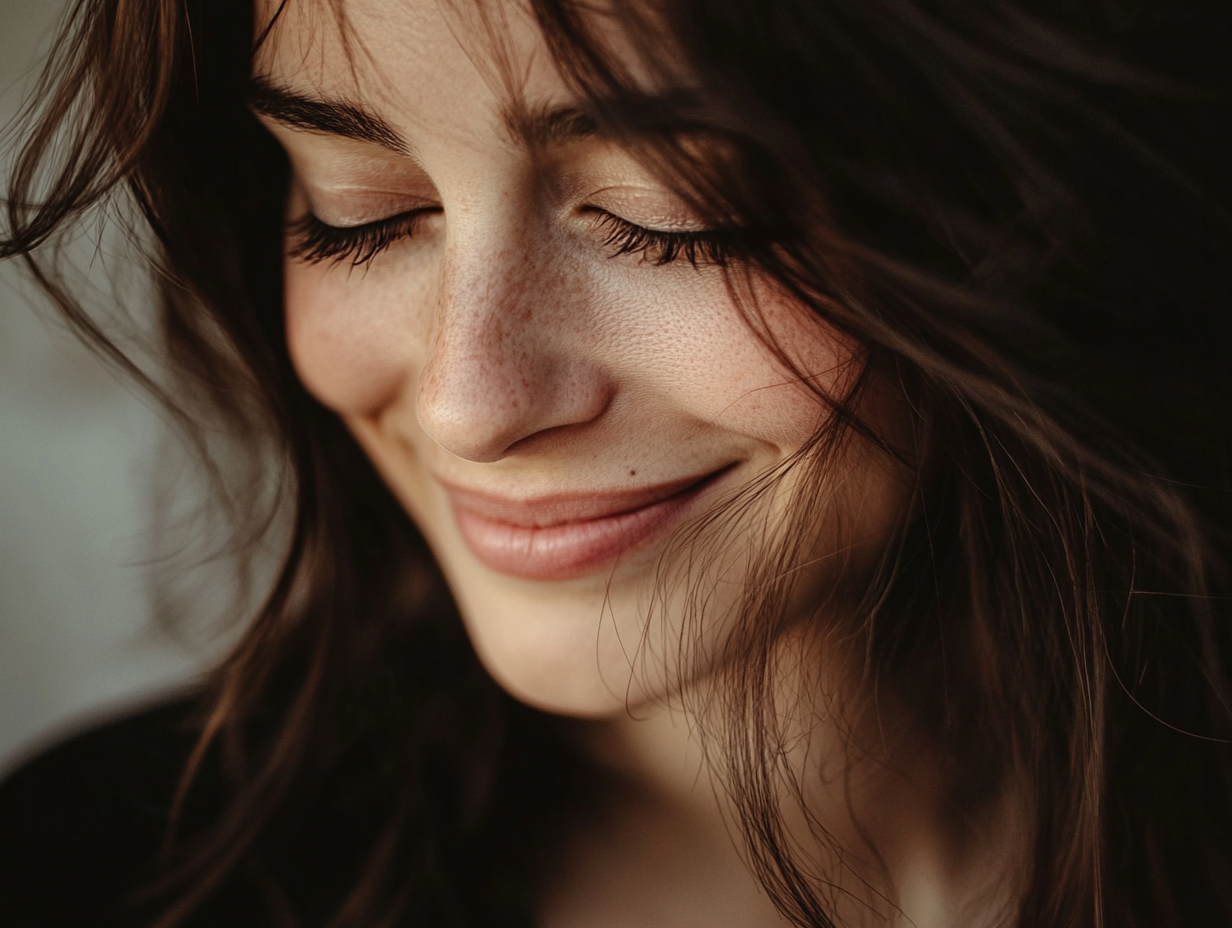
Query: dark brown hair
1021	209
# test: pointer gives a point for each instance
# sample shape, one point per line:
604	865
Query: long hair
1020	210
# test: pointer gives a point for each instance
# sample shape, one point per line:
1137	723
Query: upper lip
561	508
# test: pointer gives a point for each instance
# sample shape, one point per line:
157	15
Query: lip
563	536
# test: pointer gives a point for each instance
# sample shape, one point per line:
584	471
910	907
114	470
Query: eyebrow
537	127
332	117
541	127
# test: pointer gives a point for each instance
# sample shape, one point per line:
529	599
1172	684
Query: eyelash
659	248
314	241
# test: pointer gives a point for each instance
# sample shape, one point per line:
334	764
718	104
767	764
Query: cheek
353	342
745	375
810	359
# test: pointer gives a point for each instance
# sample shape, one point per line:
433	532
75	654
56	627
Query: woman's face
476	282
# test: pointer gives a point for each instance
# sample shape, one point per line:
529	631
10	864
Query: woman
750	463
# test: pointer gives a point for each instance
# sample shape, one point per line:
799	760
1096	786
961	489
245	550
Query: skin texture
503	350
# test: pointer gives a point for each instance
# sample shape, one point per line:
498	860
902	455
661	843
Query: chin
553	672
574	648
557	653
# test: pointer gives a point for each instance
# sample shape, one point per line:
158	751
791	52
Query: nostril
485	411
476	418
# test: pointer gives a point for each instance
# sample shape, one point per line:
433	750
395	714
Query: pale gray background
77	449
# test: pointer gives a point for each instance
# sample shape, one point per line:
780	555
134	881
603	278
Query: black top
81	825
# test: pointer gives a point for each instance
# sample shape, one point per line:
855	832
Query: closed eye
314	241
659	247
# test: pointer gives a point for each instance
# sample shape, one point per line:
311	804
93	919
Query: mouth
567	536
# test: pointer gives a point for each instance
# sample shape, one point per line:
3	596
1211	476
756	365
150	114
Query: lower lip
571	549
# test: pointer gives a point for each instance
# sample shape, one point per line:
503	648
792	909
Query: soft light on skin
501	349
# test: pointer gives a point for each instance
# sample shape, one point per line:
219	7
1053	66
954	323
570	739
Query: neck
862	801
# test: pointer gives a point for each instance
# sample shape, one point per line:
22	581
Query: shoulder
81	823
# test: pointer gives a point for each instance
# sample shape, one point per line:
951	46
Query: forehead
456	66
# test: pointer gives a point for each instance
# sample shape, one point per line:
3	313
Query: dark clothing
81	825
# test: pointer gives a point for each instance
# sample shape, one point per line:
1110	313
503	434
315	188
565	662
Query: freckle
632	473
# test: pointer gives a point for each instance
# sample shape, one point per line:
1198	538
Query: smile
562	537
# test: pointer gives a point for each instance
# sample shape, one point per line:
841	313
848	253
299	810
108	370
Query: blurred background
79	454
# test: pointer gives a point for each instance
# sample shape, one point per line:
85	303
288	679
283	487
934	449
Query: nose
507	362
